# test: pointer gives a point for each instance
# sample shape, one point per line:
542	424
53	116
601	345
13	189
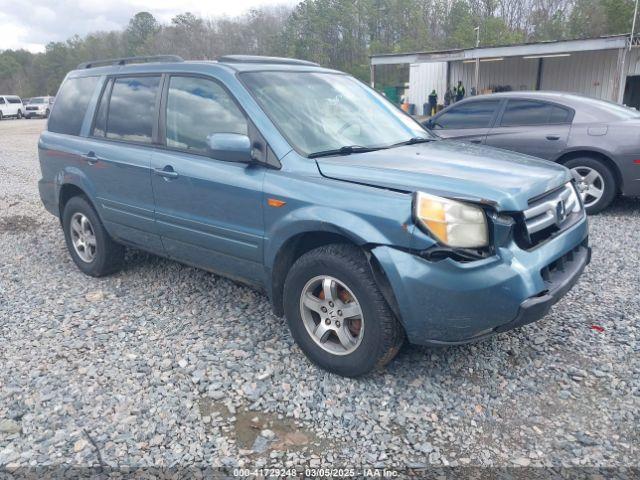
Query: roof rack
260	59
126	60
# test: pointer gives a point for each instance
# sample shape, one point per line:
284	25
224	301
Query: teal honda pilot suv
363	228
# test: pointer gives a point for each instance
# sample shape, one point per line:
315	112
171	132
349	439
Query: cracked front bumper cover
447	302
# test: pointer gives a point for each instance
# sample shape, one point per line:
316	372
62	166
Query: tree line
336	33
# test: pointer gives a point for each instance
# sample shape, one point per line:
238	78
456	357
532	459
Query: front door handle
553	137
91	157
475	140
167	172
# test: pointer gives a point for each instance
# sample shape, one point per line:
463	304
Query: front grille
549	214
32	108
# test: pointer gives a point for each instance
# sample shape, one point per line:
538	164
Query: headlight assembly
452	223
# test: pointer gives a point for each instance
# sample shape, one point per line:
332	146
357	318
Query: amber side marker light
274	202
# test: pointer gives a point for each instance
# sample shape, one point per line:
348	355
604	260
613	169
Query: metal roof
515	50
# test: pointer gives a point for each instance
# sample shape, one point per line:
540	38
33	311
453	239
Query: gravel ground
163	365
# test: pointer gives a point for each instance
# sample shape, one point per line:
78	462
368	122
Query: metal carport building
604	67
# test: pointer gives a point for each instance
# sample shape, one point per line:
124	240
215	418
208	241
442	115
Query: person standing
460	91
433	103
447	97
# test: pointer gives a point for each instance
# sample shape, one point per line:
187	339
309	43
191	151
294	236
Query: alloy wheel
332	315
83	237
590	184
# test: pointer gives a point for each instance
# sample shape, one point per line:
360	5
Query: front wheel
337	314
19	114
595	181
90	246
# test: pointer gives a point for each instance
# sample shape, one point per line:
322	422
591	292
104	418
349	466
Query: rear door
117	157
208	211
533	127
469	121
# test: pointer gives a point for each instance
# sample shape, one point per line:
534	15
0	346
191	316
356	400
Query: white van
11	106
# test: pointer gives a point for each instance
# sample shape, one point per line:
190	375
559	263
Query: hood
452	169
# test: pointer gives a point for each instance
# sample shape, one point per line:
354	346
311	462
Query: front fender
331	220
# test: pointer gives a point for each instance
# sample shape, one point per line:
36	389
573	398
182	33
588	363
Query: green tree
141	29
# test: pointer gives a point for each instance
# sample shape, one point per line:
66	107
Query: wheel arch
297	245
596	155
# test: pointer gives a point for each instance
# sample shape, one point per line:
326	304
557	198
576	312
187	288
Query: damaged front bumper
449	302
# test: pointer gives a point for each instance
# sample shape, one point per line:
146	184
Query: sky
34	23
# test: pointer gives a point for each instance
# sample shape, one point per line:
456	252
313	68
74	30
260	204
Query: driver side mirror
429	124
230	147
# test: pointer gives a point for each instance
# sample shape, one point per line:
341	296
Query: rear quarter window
71	105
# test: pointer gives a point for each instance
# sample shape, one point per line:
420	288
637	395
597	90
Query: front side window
197	108
321	111
71	104
527	112
13	99
2	101
478	114
132	108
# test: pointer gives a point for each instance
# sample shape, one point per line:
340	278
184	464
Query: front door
532	127
469	121
208	211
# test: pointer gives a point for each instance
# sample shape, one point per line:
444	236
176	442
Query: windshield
38	100
319	112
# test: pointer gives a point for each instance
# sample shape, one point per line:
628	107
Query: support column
372	74
477	75
619	78
539	74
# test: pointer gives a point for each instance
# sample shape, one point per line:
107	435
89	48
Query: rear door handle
91	158
553	137
166	172
475	140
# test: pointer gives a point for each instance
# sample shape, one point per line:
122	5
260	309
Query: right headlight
451	223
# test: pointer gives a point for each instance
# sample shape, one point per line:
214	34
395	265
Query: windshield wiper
412	141
346	150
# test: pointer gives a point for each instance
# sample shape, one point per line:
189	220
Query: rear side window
197	108
527	112
2	101
131	110
71	105
468	115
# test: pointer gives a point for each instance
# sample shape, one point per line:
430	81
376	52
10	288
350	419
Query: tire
19	114
46	114
1	116
582	168
102	255
380	335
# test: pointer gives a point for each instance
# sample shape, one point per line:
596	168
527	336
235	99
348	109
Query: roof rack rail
126	60
260	59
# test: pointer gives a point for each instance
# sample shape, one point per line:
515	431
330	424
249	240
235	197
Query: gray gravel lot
162	365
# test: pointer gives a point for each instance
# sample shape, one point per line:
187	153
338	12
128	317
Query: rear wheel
595	181
46	114
0	115
336	313
90	246
19	114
